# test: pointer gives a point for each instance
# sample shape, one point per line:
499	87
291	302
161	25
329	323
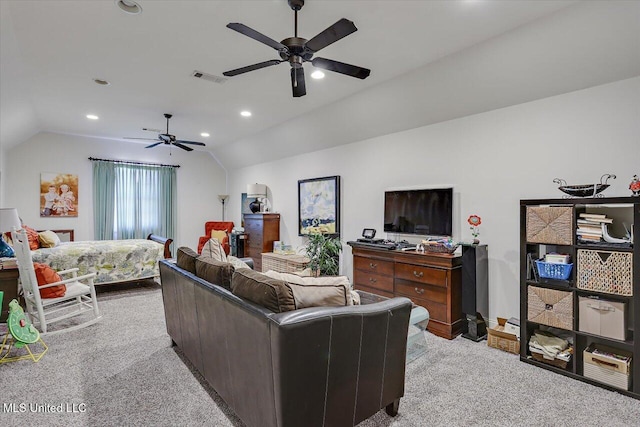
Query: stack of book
590	227
8	263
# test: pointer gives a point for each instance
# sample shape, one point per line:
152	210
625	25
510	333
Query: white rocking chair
80	297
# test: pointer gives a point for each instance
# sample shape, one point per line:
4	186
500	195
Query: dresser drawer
436	311
417	273
418	290
373	265
373	280
374	291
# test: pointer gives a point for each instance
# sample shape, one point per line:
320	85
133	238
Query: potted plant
324	251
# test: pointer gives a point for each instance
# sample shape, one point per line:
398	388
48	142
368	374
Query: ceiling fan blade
297	82
153	145
251	67
340	29
202	144
184	147
250	32
142	139
341	67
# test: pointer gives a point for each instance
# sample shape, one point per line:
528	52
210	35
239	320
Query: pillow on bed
48	239
32	235
46	275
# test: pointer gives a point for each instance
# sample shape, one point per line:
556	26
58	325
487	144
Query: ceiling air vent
210	77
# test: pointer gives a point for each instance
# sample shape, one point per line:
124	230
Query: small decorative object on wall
584	190
319	205
58	194
474	222
635	186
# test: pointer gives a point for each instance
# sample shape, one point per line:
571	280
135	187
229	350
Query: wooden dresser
262	231
432	281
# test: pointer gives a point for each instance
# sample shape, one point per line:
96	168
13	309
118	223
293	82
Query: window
132	201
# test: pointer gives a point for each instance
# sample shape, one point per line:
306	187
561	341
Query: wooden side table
8	285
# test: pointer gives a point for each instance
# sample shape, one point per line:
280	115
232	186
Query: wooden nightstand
8	285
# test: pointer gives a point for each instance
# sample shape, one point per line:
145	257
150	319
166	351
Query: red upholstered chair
216	225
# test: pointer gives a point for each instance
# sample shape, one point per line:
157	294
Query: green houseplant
324	251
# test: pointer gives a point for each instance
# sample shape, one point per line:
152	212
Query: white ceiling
54	49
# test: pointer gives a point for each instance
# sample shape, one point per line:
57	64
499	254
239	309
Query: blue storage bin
548	270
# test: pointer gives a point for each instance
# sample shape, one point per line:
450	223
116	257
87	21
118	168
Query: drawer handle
419	291
418	275
373	265
372	280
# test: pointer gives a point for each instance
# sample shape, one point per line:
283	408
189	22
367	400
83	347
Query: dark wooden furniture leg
392	408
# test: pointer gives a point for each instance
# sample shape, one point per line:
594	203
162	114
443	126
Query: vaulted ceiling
53	50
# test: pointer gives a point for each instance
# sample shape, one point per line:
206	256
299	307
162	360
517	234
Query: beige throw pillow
329	290
48	239
213	249
218	234
237	262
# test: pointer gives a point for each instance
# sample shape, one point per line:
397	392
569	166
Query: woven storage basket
550	307
552	225
284	263
605	271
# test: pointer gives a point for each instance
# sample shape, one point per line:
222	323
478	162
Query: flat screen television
426	212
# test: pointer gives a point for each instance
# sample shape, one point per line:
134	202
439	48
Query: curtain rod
132	163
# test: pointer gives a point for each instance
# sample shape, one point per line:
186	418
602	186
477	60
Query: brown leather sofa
320	366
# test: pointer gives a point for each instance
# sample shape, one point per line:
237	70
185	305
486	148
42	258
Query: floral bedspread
111	260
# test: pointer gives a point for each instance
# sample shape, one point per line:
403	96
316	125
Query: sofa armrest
357	352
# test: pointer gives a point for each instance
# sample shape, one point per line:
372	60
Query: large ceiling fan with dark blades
296	50
167	138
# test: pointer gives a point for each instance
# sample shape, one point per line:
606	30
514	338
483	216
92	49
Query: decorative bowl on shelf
584	190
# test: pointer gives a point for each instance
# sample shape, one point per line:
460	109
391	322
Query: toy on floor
20	334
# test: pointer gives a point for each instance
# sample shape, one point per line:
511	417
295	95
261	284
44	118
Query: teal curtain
140	199
103	193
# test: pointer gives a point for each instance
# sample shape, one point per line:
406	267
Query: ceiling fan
296	50
167	138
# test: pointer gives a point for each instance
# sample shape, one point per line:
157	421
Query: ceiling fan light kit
297	50
169	139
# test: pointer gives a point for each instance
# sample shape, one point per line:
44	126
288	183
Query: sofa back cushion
214	271
328	291
186	259
273	294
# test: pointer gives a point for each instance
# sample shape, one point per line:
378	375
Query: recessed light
101	82
129	6
204	134
92	117
245	113
317	74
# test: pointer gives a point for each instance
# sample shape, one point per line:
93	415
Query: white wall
200	179
492	159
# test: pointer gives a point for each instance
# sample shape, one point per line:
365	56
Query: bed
113	261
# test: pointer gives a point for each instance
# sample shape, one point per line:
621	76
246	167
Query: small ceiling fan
167	138
296	50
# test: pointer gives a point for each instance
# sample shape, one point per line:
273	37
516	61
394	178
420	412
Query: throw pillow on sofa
186	259
214	271
275	295
237	262
213	249
46	275
318	297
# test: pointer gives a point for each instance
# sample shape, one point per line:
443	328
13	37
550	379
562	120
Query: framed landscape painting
319	205
58	195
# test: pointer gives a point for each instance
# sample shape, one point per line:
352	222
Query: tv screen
427	212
